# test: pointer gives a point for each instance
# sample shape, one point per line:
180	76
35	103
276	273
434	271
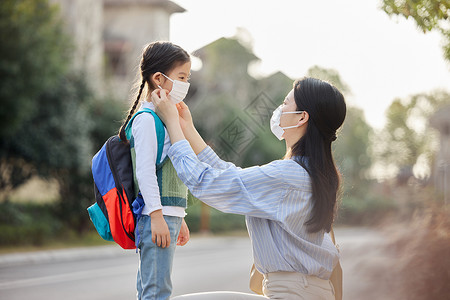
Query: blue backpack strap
159	128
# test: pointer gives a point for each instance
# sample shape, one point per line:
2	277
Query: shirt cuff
153	208
180	148
208	156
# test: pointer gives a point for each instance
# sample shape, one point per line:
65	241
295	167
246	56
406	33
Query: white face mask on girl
277	130
179	90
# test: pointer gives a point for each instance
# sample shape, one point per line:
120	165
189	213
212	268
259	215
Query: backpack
118	201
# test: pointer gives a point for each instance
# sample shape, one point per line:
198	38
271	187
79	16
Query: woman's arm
204	153
254	191
187	126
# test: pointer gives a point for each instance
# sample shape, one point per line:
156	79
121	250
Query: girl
163	65
289	204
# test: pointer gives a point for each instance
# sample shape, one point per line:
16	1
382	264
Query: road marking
81	275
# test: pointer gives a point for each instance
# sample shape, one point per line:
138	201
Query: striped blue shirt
276	200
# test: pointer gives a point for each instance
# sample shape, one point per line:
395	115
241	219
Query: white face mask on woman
179	90
277	130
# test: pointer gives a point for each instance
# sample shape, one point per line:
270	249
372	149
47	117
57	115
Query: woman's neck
288	154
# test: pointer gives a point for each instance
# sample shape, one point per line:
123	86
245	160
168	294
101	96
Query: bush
218	221
27	224
409	261
423	249
368	210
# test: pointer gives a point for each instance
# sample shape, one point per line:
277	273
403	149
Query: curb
46	256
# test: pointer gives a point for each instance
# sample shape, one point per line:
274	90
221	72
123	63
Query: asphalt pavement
206	263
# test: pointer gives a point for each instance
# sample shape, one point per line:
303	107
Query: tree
33	54
330	75
428	14
51	122
352	151
352	148
406	139
32	61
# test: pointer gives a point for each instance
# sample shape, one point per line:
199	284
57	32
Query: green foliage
219	221
330	75
406	136
33	55
108	114
54	137
352	148
352	151
428	15
365	210
51	122
33	64
231	109
25	224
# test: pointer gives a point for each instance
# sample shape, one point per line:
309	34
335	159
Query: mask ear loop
166	77
291	112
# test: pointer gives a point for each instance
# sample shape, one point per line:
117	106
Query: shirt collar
146	104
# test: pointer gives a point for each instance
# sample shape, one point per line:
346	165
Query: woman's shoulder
288	164
291	172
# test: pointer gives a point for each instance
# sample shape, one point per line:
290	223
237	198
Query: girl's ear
156	78
304	117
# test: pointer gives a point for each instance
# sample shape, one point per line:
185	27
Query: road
108	272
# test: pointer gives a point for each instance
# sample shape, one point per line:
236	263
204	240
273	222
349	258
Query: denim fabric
155	263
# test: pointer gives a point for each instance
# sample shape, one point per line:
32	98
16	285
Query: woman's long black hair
326	108
156	57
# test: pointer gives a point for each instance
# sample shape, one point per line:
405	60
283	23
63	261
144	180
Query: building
128	25
109	36
84	24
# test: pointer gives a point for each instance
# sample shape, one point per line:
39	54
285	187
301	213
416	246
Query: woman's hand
183	236
160	230
185	116
168	113
165	109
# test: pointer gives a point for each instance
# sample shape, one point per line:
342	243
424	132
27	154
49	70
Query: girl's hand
185	116
165	109
183	236
160	230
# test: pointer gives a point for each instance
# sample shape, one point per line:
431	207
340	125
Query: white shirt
146	147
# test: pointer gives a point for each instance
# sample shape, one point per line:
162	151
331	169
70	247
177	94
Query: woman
289	204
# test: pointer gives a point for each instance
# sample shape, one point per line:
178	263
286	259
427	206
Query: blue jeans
155	263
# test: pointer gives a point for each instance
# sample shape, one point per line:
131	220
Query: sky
379	57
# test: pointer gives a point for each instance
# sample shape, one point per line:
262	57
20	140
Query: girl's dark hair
156	57
326	108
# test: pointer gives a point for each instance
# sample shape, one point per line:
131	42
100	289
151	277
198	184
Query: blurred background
68	70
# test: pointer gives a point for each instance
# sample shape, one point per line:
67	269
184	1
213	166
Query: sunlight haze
379	57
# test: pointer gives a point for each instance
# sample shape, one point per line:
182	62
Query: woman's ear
304	117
